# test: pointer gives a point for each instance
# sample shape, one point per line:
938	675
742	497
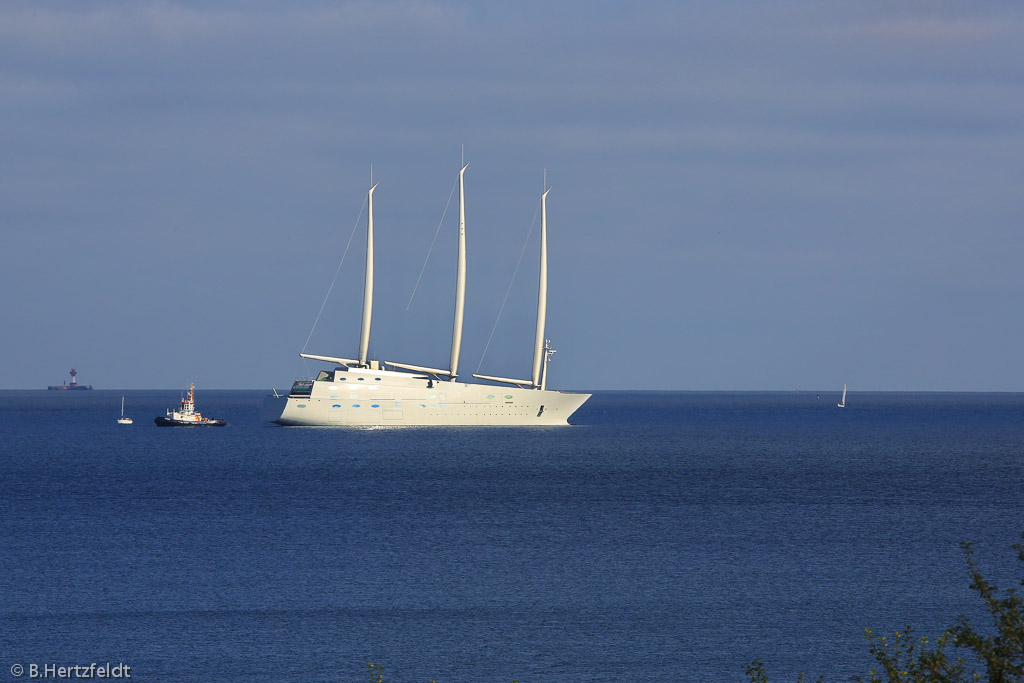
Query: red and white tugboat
186	415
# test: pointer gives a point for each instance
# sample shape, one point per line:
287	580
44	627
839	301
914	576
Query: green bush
907	659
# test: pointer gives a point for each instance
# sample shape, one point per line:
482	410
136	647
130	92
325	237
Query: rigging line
509	290
436	233
335	279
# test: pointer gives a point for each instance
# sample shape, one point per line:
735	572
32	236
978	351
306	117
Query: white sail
842	402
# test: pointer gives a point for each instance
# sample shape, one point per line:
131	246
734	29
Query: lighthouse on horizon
74	383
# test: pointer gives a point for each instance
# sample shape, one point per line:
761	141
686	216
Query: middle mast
364	330
460	281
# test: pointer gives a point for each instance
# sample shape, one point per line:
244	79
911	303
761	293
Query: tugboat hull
171	422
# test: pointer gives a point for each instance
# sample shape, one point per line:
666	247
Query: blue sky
746	195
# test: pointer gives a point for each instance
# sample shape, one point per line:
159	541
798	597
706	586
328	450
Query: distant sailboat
123	420
842	403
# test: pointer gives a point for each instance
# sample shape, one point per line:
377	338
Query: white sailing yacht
364	392
842	402
123	420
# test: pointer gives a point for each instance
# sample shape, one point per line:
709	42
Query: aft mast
364	331
541	347
542	295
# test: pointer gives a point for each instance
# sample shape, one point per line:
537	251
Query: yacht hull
391	399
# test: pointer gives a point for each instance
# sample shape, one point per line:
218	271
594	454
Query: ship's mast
542	296
541	350
364	331
460	280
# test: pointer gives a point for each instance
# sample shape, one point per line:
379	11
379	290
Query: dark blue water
666	537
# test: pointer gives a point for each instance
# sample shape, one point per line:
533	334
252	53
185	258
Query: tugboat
186	415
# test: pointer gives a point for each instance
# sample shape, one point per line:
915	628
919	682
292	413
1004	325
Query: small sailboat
842	402
123	420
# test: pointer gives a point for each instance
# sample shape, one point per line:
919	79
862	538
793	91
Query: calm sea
664	537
